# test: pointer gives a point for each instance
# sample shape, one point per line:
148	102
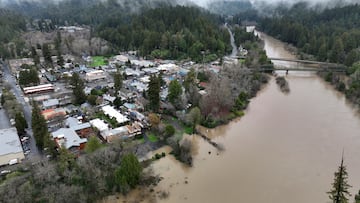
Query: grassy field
152	138
98	61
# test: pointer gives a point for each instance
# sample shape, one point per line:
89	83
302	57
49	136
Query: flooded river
284	150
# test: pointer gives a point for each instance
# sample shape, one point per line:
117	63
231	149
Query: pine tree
340	188
47	54
357	197
78	89
20	123
35	56
117	82
175	91
154	93
39	126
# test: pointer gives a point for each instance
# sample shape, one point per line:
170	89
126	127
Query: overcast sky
205	2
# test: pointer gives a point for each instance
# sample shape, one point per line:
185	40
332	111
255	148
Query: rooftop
9	141
99	124
113	113
50	103
116	131
68	138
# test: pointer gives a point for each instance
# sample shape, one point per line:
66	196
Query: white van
13	161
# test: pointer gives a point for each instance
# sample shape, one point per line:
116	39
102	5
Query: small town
128	101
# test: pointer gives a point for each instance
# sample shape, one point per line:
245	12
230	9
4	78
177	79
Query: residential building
111	135
67	137
50	104
113	113
99	124
95	75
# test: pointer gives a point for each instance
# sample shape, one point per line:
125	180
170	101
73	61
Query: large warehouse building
10	146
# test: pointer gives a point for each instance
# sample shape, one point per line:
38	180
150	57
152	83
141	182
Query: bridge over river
316	66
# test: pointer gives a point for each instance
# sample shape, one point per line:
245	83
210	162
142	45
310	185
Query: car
13	162
27	152
24	139
4	172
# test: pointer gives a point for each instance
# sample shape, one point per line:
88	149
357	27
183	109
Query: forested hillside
330	35
11	25
230	7
168	32
157	28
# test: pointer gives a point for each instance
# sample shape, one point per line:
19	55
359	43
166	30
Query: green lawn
152	137
188	130
98	61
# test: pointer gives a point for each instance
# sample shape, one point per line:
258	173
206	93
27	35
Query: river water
284	150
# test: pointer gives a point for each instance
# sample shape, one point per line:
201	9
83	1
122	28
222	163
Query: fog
259	4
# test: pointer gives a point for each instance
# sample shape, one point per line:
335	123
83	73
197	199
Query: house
113	113
137	116
142	63
50	104
71	121
109	98
95	75
84	130
138	86
50	77
10	146
66	137
111	135
134	129
99	124
50	114
122	59
133	73
169	68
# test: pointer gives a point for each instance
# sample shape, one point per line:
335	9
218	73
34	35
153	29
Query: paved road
8	78
4	120
232	41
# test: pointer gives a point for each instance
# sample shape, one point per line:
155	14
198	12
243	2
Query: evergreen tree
92	145
117	82
78	89
20	123
175	91
39	126
340	188
29	77
35	56
194	117
153	93
128	174
357	197
46	54
190	79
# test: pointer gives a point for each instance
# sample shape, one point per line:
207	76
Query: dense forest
169	32
11	25
229	7
329	35
160	30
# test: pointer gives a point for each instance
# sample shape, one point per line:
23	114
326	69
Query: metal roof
9	141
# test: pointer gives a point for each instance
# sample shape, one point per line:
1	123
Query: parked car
4	172
13	161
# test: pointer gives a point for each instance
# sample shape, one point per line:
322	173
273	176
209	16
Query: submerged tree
340	188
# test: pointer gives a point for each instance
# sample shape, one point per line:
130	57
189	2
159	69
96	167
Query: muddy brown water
284	150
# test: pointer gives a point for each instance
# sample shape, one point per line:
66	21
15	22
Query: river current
284	150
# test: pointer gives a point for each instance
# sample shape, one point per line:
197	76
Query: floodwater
284	150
